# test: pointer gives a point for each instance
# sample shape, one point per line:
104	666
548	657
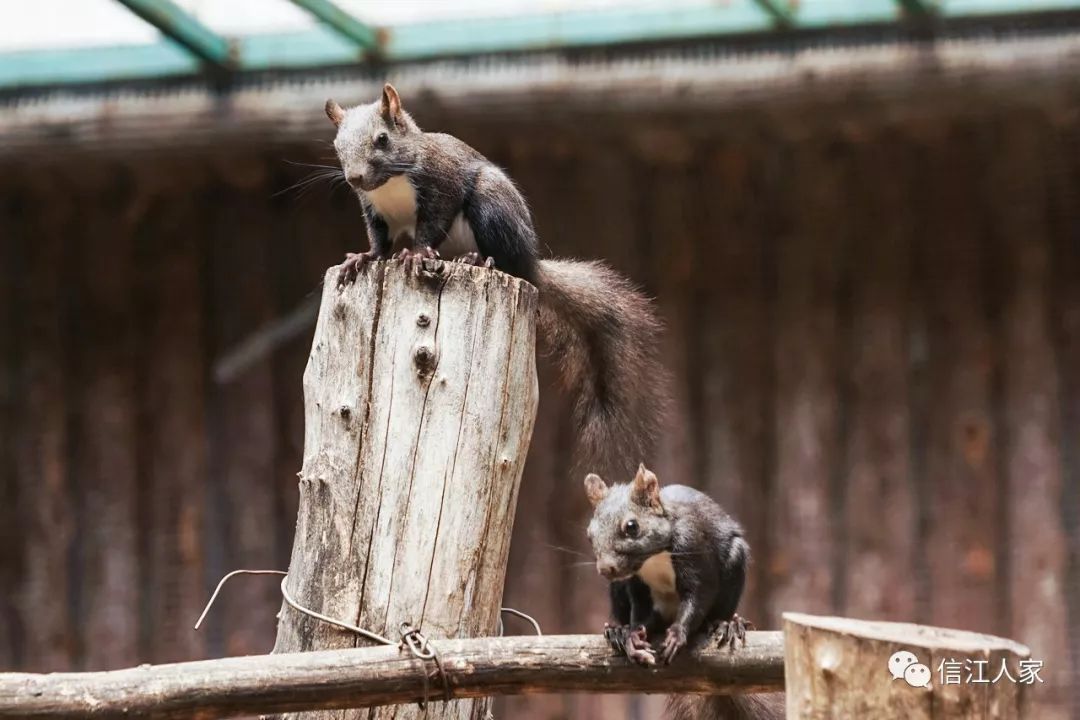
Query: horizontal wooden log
372	676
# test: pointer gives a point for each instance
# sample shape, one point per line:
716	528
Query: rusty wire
523	616
411	638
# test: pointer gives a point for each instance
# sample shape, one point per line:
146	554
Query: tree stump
841	668
419	398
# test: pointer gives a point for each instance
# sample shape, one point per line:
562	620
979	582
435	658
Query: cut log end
838	667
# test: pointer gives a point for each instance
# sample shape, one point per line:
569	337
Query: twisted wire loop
417	643
411	638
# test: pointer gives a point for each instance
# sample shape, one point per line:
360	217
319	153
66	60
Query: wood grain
409	483
803	540
174	470
961	485
11	541
105	433
1031	428
736	427
879	551
358	678
1064	218
41	441
838	667
242	446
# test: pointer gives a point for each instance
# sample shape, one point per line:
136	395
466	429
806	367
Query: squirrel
447	197
676	563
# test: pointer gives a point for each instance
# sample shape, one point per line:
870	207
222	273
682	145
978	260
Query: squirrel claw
632	643
674	641
475	258
616	636
731	631
413	260
354	263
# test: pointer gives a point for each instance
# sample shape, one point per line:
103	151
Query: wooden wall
874	330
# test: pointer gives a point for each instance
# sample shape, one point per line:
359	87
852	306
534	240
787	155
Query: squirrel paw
354	263
413	260
730	631
674	641
475	258
632	643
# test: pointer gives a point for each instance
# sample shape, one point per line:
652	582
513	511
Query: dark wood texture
45	481
875	341
103	424
357	678
174	472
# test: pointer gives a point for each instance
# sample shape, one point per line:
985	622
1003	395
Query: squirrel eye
381	140
630	529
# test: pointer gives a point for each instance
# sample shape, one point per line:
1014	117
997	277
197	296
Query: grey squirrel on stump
450	200
677	565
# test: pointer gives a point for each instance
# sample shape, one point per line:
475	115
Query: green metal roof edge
322	46
184	29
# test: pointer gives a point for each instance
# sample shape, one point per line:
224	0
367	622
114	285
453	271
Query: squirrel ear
646	488
595	488
335	112
391	104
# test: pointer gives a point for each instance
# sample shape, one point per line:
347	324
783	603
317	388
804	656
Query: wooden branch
335	679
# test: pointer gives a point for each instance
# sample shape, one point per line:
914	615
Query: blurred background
860	218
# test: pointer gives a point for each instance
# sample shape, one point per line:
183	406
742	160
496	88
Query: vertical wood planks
736	425
803	537
41	438
1031	420
104	424
243	435
960	489
879	550
1063	159
12	210
668	198
171	252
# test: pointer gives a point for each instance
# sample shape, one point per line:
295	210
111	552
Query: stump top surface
923	636
438	269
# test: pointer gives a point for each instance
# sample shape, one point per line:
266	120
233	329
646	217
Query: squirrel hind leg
730	632
631	642
475	258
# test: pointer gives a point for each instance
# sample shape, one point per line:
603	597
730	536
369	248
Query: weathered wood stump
841	668
420	395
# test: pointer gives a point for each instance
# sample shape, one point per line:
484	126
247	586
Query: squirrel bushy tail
726	707
604	335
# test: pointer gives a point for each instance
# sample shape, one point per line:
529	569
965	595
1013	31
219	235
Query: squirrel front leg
695	599
379	239
632	609
431	229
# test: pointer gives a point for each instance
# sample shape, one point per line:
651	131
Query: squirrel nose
355	179
606	568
